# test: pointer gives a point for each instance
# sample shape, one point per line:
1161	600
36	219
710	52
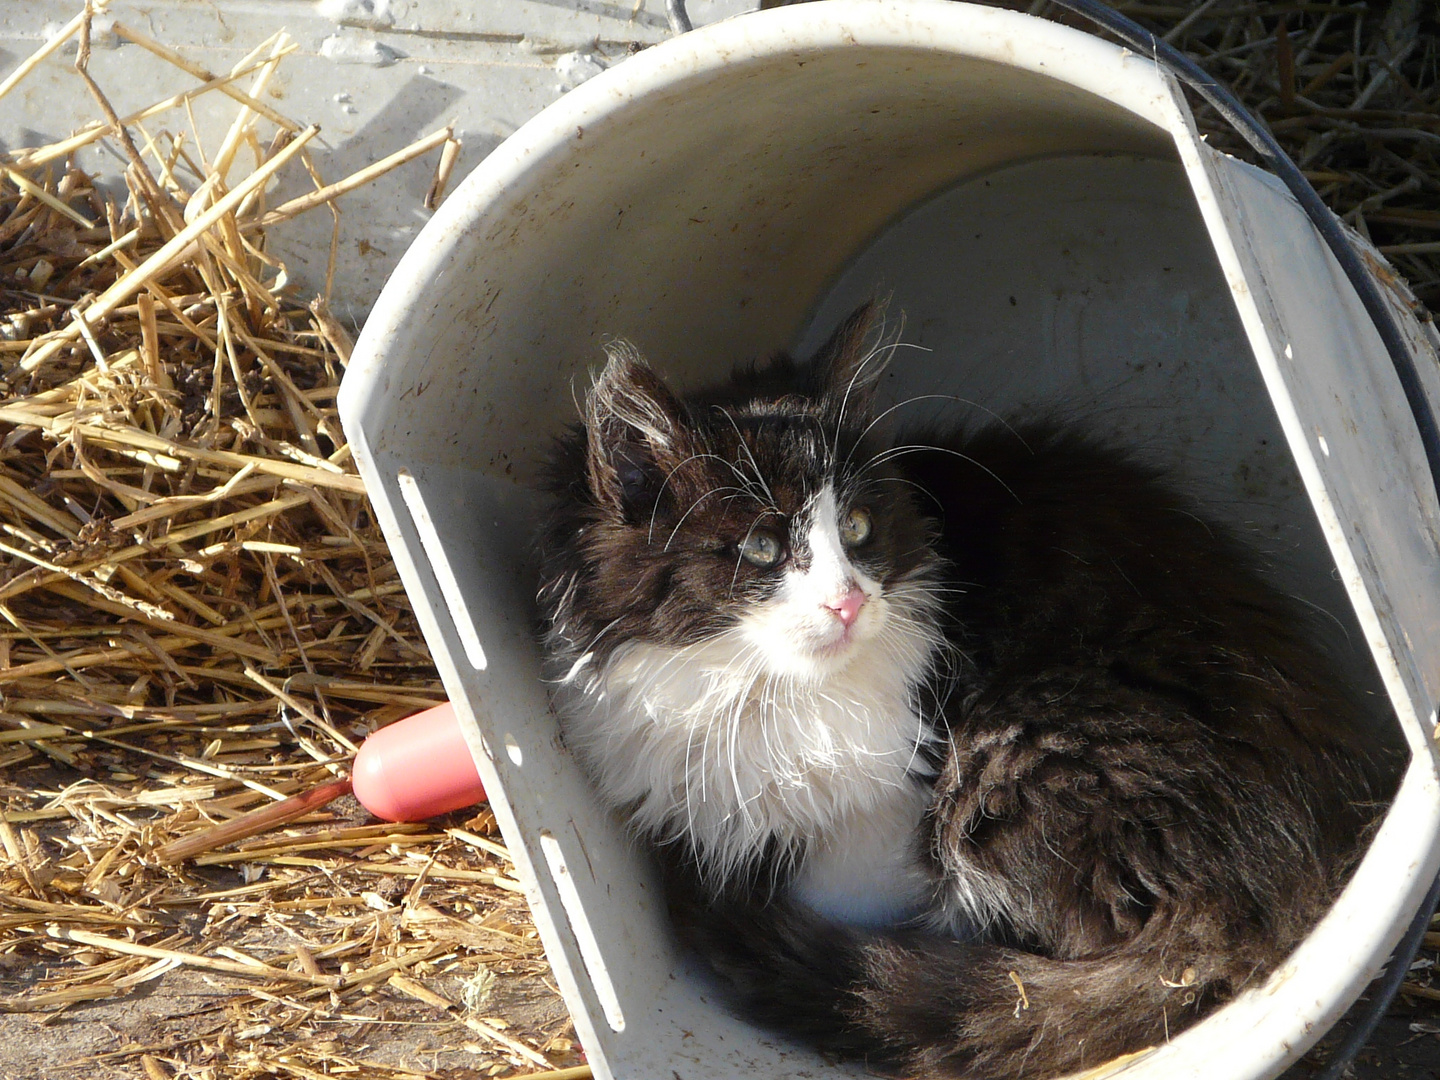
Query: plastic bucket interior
1038	208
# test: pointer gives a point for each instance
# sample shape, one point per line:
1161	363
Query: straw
200	622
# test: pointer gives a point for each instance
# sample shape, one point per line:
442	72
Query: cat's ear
634	427
850	365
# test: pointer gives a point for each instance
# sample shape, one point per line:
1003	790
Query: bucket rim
1006	38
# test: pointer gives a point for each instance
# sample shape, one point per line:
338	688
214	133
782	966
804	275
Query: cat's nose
846	608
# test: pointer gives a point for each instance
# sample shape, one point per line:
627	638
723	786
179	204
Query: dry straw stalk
199	622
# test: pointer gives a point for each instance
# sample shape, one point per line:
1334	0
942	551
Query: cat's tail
932	1008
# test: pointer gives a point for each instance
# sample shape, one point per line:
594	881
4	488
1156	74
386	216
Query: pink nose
847	608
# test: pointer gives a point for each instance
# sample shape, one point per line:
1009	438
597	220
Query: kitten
748	630
975	755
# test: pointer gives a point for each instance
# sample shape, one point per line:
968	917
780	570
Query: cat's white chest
695	742
869	870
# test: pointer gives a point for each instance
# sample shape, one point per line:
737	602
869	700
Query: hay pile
198	615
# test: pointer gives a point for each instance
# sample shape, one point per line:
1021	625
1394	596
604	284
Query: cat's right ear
849	366
634	427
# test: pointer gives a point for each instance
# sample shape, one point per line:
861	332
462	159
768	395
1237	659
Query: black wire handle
678	16
1395	972
1381	315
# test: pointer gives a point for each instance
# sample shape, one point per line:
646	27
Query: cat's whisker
880	417
594	642
849	389
882	347
732	747
939	590
898	451
874	481
754	465
771	760
659	495
671	538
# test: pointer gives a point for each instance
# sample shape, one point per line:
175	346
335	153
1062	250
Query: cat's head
767	511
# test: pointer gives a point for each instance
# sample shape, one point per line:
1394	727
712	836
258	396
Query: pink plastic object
417	768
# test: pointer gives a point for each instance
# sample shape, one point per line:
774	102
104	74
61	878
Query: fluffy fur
1037	772
723	706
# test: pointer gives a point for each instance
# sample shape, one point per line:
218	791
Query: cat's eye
762	548
855	527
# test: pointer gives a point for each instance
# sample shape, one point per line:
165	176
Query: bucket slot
584	934
440	566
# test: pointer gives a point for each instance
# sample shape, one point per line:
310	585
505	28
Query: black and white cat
977	755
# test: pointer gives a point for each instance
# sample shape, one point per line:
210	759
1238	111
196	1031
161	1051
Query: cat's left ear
634	427
850	365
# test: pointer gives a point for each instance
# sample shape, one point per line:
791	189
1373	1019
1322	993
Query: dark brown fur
1148	755
1152	755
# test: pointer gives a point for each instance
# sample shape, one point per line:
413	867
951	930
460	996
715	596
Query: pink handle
417	768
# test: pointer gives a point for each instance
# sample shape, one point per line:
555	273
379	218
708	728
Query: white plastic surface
733	192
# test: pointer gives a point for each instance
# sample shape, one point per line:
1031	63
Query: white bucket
1057	236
